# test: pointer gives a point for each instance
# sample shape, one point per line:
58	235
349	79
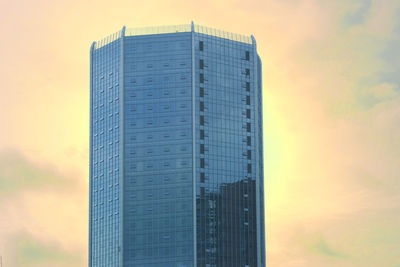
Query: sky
331	103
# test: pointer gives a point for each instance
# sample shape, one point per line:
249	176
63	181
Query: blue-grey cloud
322	247
359	15
17	172
24	250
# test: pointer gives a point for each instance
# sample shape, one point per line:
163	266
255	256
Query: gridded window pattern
158	183
176	176
105	175
226	179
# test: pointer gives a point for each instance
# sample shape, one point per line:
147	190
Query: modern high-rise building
176	157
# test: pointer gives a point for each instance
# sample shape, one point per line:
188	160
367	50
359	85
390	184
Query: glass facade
176	175
158	147
105	156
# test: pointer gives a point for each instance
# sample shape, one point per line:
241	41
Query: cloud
23	250
321	247
384	91
43	213
331	128
17	173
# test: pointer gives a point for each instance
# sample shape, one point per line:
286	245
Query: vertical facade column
256	154
90	152
122	146
261	166
194	150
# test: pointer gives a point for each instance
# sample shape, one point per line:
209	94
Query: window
202	177
247	86
248	127
248	154
201	77
202	163
201	120
247	55
201	45
248	140
202	134
201	64
202	192
247	100
247	72
201	106
201	92
149	166
248	113
249	168
201	148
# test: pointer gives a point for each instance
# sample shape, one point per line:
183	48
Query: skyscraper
176	158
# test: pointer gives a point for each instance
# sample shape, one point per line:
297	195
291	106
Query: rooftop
172	29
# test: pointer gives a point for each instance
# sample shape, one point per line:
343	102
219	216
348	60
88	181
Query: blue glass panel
143	157
227	195
105	176
158	151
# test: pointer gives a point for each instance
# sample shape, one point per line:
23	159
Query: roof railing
222	34
109	39
174	29
158	30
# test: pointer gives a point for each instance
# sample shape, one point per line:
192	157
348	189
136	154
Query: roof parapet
173	29
222	34
109	39
158	30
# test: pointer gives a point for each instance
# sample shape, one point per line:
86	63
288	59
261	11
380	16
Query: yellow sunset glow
331	105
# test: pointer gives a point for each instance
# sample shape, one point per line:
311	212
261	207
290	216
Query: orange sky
331	123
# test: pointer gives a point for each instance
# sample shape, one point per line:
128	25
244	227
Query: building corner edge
122	145
194	148
92	47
